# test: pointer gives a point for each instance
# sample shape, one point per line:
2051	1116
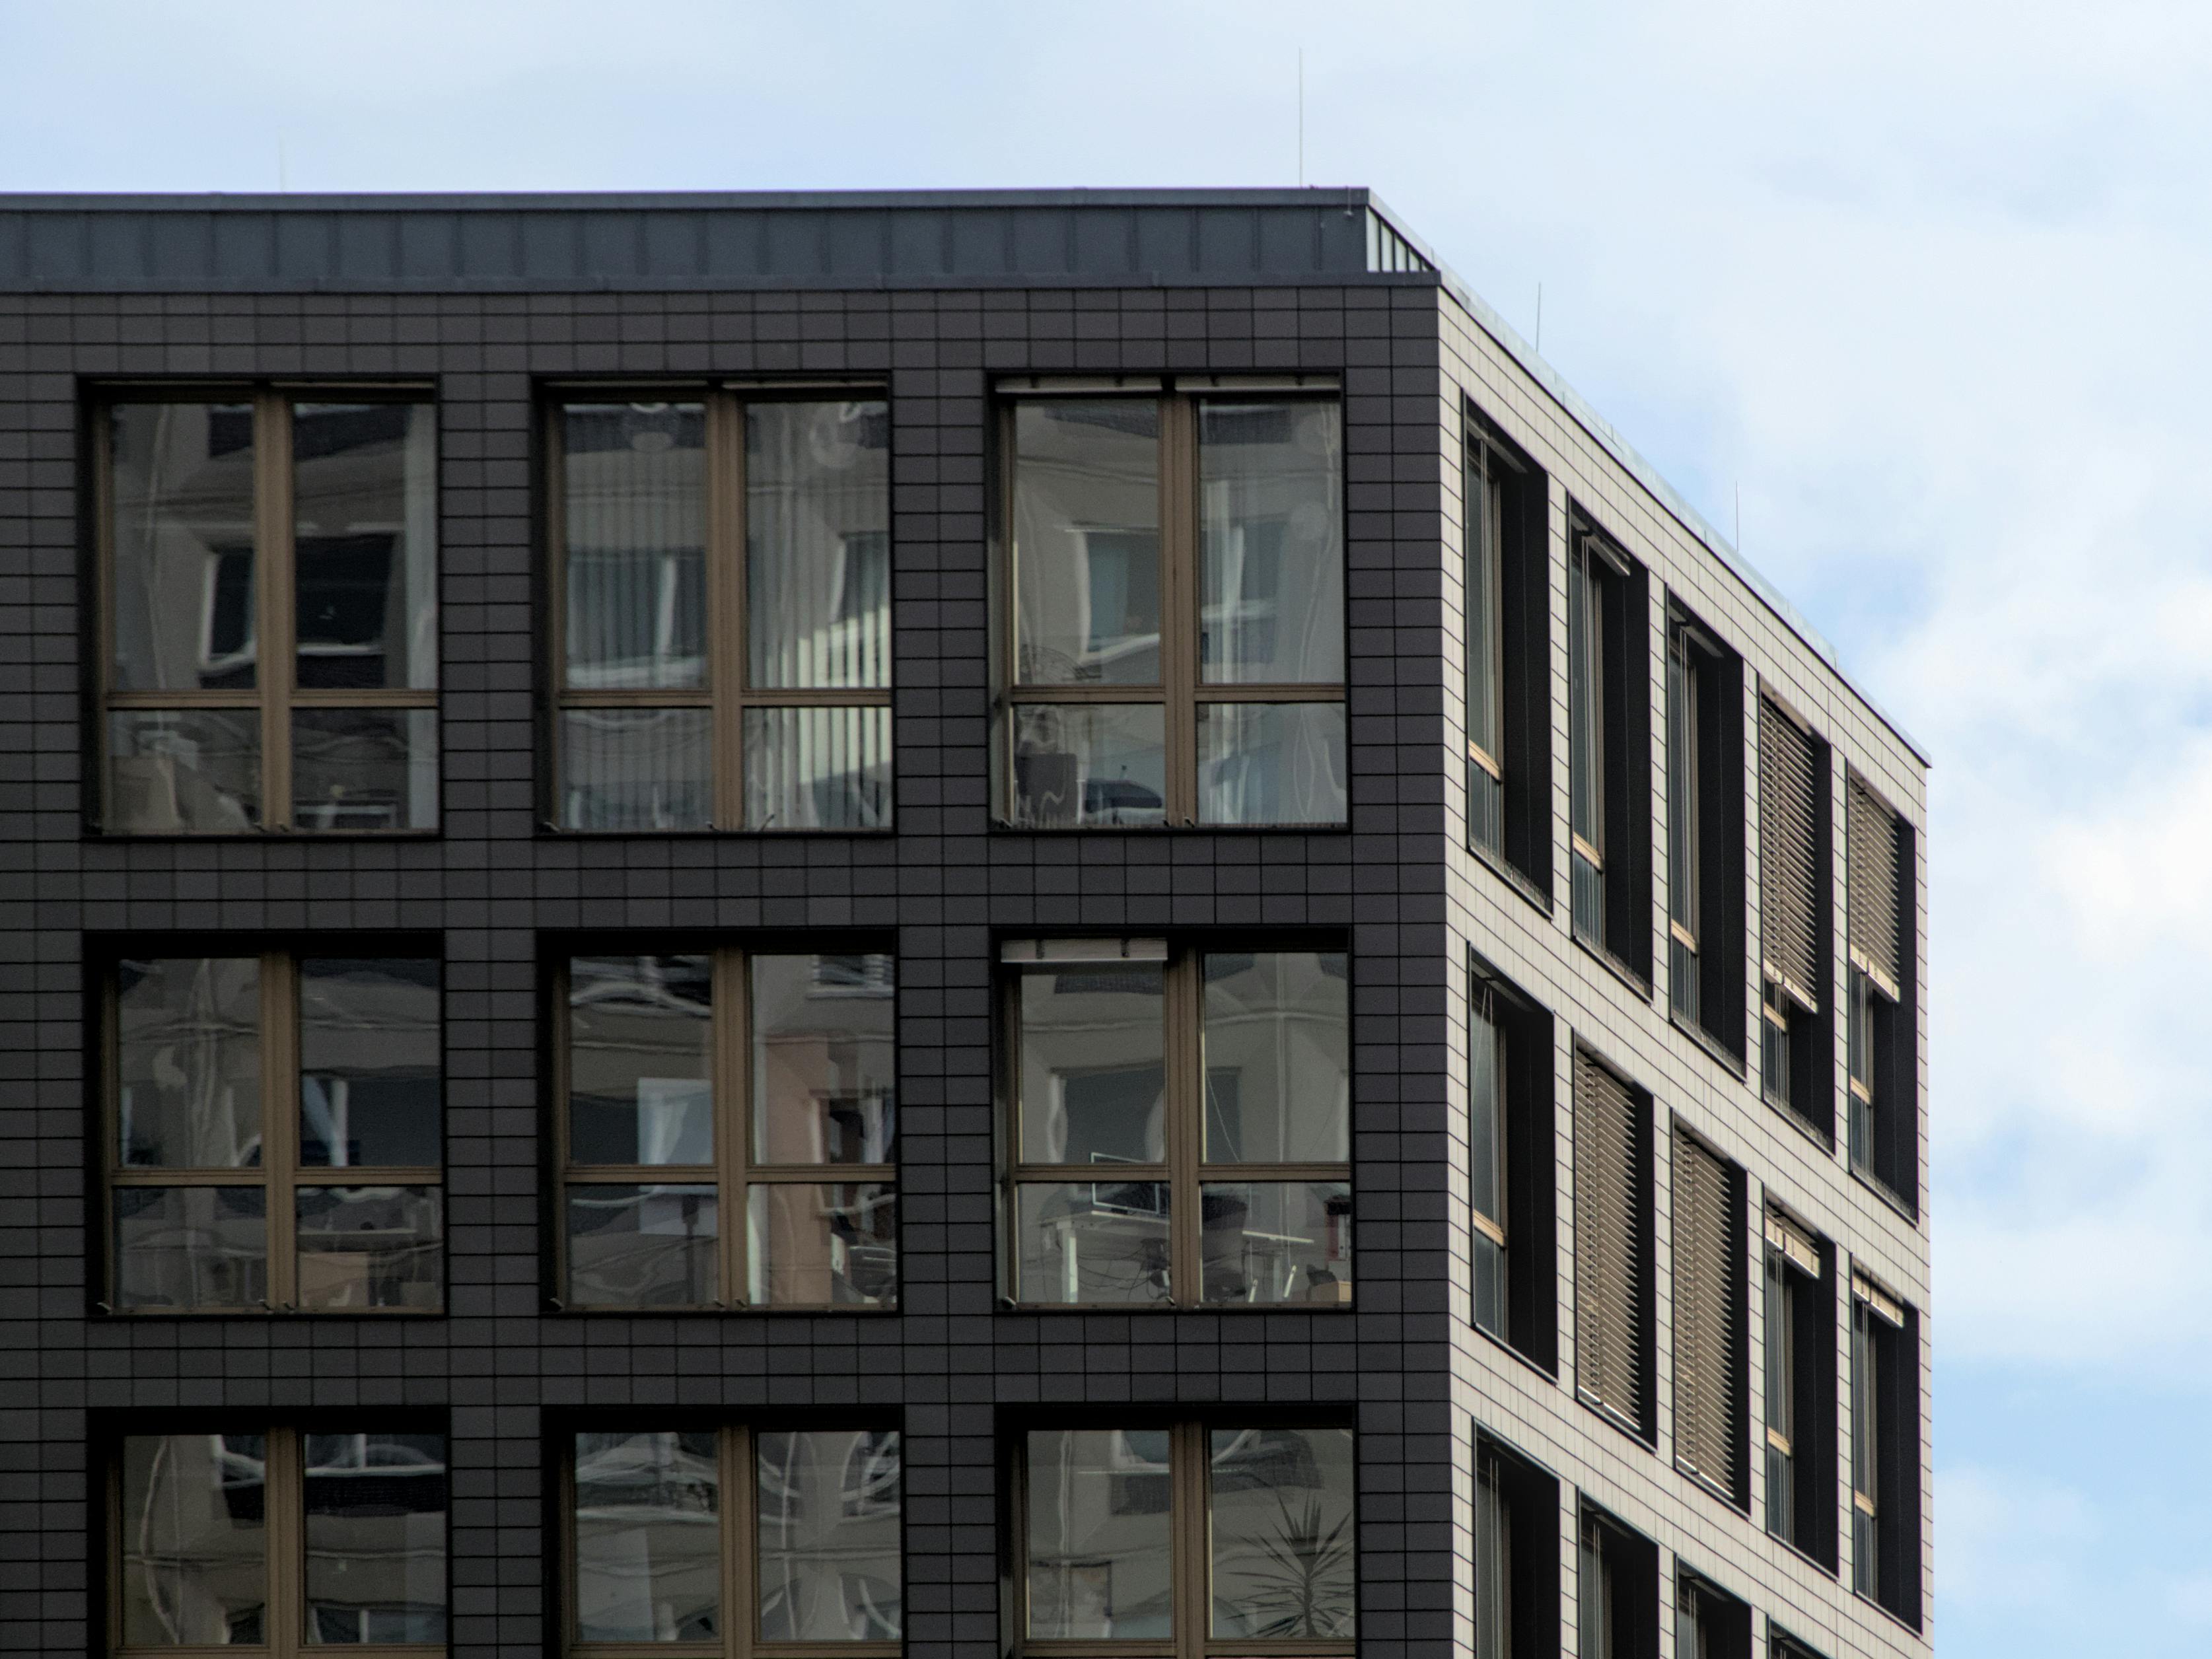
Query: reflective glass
183	772
648	1538
829	1529
1087	542
190	1247
1282	1545
631	1246
817	768
375	1544
188	1062
634	519
195	1547
1093	1065
1271	762
1089	765
1485	1115
364	769
825	1063
1100	1547
636	769
1278	1050
371	1246
181	584
823	1246
641	1050
1276	1241
372	1088
818	543
1480	596
1271	543
364	550
1091	1242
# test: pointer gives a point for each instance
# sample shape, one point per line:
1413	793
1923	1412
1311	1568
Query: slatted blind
1706	1315
1608	1241
1790	888
1870	833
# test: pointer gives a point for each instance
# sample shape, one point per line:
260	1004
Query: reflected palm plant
1298	1582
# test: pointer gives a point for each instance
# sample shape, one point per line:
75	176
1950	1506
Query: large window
1711	1321
274	1133
1617	1591
1512	1141
1172	625
1616	1355
1795	1059
721	610
1800	1390
1709	1622
1506	594
278	1540
1608	749
1186	1539
268	605
1704	834
724	1543
728	1122
1181	1127
1516	1556
1886	1450
1884	1083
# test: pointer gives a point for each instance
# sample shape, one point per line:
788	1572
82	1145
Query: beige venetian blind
1870	836
1789	846
1608	1241
1706	1315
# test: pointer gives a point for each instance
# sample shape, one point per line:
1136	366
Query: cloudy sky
1924	281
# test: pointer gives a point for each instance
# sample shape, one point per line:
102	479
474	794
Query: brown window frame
732	1174
1184	1171
728	693
274	695
280	1175
1711	1328
1182	690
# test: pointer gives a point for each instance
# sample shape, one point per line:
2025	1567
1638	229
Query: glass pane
1485	1110
635	518
195	1551
1091	1242
1093	1065
825	1063
364	769
640	1046
1282	1536
371	1247
1488	1286
1271	762
1485	809
1278	1050
1492	1586
1681	788
183	772
818	543
829	1536
648	1538
364	547
636	769
827	1246
642	1246
1481	596
817	768
1271	543
190	1247
1276	1241
1584	688
371	1088
1089	766
375	1507
188	1062
1099	1543
181	585
1087	542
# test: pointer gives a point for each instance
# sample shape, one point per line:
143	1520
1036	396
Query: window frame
1881	1070
1709	1622
1797	1022
279	1178
1526	1495
1642	1296
1616	1587
276	693
1798	1269
728	694
1705	836
1182	692
732	1174
1731	1485
1609	752
1884	1450
1525	1136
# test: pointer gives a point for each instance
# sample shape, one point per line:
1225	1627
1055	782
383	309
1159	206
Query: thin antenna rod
283	181
1739	515
1302	118
1539	316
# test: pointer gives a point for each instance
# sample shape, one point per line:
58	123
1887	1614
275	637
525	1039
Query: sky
1926	284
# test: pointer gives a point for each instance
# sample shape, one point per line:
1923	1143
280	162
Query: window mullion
733	1043
284	1476
1179	602
1188	1520
741	1616
274	585
725	602
280	1124
1183	1091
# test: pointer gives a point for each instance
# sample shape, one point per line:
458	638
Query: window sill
1527	1360
553	1310
1826	1569
1882	1190
1716	1050
552	832
1147	1309
1605	1414
1006	827
102	1311
1613	965
1711	1489
272	838
1888	1613
1825	1141
1504	870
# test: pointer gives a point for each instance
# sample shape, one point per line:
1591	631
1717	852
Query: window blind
1608	1241
1789	894
1871	877
1706	1315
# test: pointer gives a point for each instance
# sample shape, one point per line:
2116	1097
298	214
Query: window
280	1541
269	596
1506	589
730	1124
1709	1622
1800	1390
1617	1598
1711	1350
1510	1138
1173	644
1516	1556
1781	1645
1180	1124
1212	1538
1614	1351
276	1134
721	610
1795	1071
1609	739
1704	834
1886	1450
1884	1116
734	1541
